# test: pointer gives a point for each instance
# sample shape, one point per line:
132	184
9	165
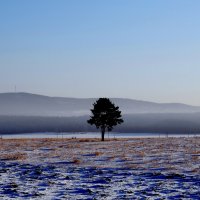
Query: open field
153	168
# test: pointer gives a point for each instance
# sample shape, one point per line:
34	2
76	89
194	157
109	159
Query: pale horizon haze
145	50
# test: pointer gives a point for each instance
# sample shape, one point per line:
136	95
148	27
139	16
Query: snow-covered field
145	168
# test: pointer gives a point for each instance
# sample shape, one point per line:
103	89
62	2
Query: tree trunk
102	134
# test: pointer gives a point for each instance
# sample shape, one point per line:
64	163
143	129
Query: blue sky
148	50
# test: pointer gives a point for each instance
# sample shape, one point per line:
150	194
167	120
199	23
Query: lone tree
105	115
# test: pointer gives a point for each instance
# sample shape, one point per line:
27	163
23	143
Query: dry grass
76	161
137	150
88	140
97	153
14	156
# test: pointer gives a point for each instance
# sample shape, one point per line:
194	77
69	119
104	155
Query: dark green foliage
105	115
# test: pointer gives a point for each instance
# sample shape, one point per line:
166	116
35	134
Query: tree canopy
105	115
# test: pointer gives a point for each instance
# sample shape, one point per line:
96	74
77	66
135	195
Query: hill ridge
29	104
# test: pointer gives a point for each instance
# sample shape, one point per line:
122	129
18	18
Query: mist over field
24	112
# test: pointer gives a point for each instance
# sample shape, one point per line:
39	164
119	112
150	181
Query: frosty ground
142	168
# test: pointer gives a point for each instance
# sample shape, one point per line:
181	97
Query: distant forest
148	123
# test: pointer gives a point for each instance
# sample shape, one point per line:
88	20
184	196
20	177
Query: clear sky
144	49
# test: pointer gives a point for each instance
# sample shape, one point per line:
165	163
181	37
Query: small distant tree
105	115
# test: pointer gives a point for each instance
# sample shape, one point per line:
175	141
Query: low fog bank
149	123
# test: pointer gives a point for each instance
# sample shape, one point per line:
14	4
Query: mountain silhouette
26	104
